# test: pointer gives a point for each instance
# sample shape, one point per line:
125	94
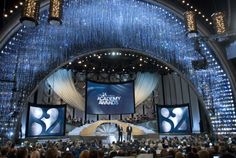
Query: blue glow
92	25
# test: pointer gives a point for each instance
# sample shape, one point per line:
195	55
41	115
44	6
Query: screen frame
44	106
109	83
158	107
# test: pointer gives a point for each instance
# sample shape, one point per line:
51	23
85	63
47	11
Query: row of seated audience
138	119
134	120
186	147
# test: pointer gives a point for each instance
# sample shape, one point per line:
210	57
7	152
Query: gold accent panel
55	11
30	13
190	21
219	22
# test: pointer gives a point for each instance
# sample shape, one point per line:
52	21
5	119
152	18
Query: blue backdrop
103	98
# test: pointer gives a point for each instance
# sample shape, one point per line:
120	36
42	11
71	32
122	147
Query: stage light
99	57
191	24
11	11
21	3
79	62
113	53
55	12
5	15
30	13
16	6
219	22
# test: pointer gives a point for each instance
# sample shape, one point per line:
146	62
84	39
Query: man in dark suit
120	133
129	131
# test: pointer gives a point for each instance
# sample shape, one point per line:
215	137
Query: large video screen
174	119
110	98
46	120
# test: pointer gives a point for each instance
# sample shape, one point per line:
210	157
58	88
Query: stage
107	129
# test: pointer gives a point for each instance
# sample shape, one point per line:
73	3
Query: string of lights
184	2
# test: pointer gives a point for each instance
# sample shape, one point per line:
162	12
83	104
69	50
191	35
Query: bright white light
11	134
165	112
36	112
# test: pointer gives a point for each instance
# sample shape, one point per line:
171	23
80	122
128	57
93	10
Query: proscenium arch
134	52
93	25
86	54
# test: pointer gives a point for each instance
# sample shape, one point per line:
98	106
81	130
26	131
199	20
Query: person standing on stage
120	133
129	131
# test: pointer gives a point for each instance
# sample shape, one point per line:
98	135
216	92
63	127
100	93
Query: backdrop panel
104	98
46	120
174	119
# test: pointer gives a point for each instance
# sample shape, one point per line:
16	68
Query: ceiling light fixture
30	13
55	12
218	22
